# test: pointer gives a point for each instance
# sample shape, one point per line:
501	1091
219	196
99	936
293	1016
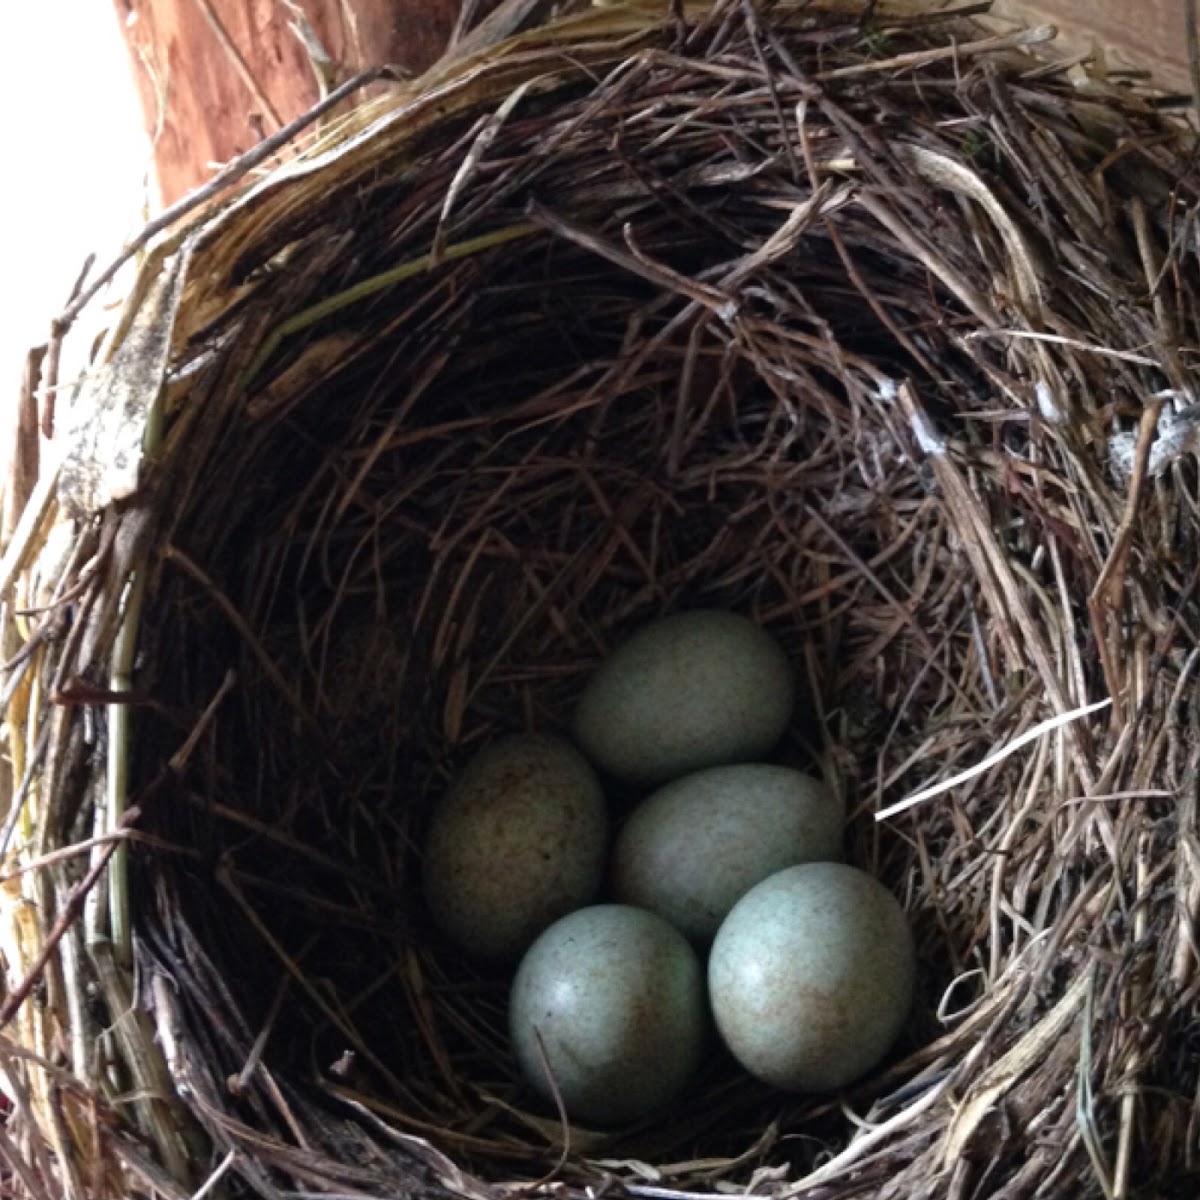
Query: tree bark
216	76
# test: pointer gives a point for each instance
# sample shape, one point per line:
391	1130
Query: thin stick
66	918
210	1184
226	177
117	776
381	282
1085	1098
82	847
1057	339
1127	1125
1030	735
28	1176
919	58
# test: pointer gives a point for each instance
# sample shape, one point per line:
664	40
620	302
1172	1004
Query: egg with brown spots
608	1013
517	841
811	976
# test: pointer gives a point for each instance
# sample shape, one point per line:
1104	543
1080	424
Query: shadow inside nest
433	553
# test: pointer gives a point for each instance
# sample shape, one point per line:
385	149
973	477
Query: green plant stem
378	283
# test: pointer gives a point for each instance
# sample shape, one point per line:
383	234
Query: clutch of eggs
811	969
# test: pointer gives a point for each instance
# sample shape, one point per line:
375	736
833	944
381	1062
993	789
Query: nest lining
824	318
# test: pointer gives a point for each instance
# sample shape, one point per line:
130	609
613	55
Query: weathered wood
232	71
1148	35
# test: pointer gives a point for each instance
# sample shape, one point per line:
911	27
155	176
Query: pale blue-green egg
691	850
691	690
811	976
608	1010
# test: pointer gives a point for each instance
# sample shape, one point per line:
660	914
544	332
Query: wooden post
216	76
1147	35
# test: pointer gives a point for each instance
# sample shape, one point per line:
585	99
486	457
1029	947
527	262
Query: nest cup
867	325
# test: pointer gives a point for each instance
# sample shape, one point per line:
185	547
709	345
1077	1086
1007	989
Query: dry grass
873	328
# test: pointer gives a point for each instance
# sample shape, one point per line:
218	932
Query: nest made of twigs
867	325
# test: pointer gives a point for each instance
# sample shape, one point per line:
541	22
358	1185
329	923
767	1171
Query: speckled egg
696	846
609	1003
517	841
691	690
811	976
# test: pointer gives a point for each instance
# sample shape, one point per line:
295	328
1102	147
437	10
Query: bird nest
869	325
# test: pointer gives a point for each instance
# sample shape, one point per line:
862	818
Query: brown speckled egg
609	1004
517	842
811	976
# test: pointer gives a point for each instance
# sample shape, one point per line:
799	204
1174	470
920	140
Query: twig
16	1160
1191	19
998	756
1023	39
225	178
63	922
379	283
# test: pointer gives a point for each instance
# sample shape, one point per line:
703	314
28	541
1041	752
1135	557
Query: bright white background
73	164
